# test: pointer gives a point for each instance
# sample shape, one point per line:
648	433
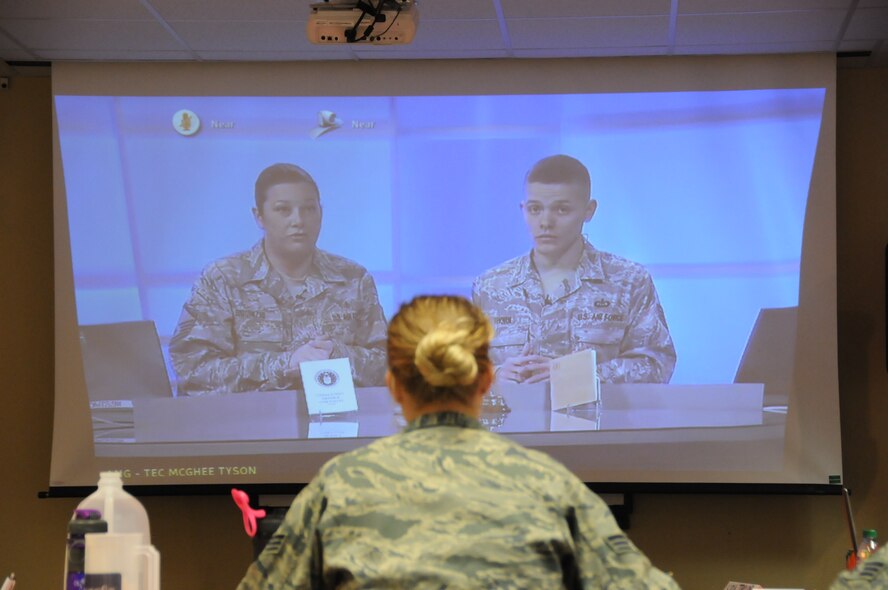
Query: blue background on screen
707	189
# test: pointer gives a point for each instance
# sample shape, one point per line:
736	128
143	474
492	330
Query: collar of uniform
258	267
326	267
443	419
523	270
323	272
589	268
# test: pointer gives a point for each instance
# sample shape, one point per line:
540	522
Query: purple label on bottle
102	582
75	581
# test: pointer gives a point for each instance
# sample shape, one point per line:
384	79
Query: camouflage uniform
871	574
446	504
242	323
610	304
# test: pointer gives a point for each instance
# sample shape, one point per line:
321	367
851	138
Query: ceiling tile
12	54
274	30
775	27
547	33
79	9
587	52
583	8
290	10
260	10
281	35
868	23
114	55
457	9
87	35
747	6
450	35
389	53
325	54
7	42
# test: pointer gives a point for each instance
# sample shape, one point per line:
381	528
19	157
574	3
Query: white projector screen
716	175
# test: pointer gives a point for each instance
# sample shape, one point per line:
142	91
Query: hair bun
443	358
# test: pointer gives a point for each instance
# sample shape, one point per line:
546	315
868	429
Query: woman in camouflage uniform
445	503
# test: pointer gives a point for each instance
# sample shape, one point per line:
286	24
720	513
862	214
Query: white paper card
573	380
574	421
329	388
332	429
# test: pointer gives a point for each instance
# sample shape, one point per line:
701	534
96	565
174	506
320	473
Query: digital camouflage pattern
871	574
610	304
242	322
447	504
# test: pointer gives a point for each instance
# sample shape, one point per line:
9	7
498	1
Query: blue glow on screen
706	189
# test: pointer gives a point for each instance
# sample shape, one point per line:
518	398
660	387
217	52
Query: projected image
219	242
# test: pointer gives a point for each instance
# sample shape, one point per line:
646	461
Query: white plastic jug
122	512
117	561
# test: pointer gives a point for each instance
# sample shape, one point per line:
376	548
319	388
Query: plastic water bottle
123	512
868	546
84	521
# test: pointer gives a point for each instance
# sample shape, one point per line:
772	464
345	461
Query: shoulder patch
870	570
619	544
276	543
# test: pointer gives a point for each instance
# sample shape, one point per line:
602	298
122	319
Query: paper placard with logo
329	388
573	380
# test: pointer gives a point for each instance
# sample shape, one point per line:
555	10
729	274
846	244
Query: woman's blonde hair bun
445	356
438	348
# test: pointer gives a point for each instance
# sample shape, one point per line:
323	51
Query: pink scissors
243	502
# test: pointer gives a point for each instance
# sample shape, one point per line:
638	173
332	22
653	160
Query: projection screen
714	175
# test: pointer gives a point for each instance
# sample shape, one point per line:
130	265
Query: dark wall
705	540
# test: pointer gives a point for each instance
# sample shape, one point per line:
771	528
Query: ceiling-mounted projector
379	22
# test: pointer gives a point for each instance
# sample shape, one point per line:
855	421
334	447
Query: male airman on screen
254	316
566	295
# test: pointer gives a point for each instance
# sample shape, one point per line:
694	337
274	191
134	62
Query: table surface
279	419
656	429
